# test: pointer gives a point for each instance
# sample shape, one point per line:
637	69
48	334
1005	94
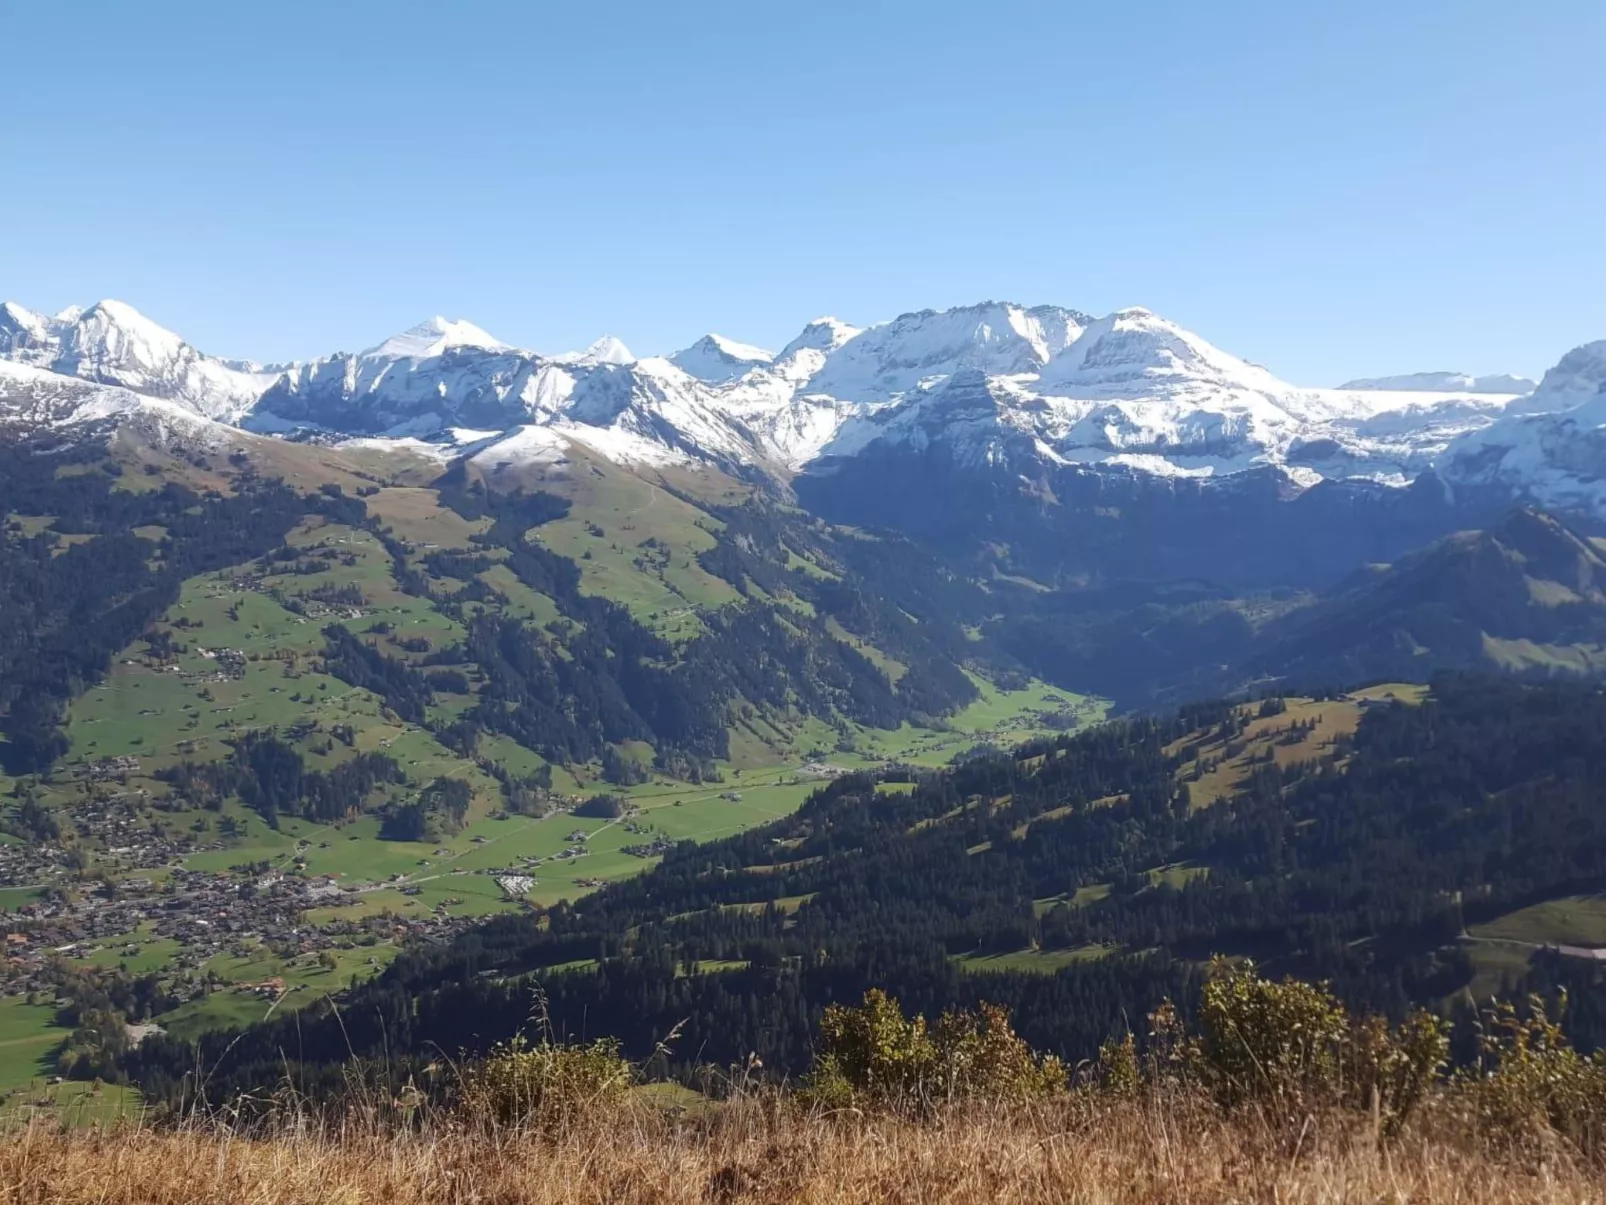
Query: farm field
26	1038
1574	920
1501	948
998	717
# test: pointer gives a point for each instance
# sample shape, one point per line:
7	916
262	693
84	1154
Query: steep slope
1142	452
112	343
999	338
1552	449
35	402
788	424
1528	595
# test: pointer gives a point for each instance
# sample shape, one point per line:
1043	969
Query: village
132	901
121	893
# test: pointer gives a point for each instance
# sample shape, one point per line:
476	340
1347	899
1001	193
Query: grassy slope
187	710
1501	948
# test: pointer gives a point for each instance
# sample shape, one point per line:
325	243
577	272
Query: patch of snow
409	444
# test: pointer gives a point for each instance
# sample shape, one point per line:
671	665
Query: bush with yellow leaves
547	1084
1530	1086
873	1058
1292	1048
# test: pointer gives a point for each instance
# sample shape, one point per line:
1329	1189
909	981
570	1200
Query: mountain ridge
1503	382
1128	391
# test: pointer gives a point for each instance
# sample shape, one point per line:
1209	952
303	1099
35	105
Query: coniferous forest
1361	865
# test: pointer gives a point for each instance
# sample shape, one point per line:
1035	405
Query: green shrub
1260	1040
1291	1048
548	1085
1531	1084
1119	1072
872	1057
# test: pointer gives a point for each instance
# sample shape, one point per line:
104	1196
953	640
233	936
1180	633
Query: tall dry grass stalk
1079	1149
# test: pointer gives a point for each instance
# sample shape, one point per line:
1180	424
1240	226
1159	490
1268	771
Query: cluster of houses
197	915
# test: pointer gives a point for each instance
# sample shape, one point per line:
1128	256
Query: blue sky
1329	189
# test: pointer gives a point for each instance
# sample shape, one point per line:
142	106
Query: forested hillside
363	713
1080	881
102	567
1523	596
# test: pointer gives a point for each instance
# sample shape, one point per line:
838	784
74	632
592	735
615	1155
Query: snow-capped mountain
1444	382
609	349
114	344
34	400
823	335
1000	339
434	337
1552	447
424	381
1135	391
995	385
716	359
451	382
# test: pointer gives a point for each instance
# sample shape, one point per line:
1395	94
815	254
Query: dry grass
1077	1150
1335	719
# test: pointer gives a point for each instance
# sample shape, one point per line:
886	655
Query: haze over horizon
1331	194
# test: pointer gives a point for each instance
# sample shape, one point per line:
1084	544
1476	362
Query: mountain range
446	619
994	387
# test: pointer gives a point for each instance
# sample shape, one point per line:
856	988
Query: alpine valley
999	639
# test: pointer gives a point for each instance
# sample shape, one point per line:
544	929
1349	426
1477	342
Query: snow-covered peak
433	337
1135	349
27	337
1551	445
823	334
116	335
109	332
992	384
609	349
998	338
1578	377
716	359
113	343
1443	382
